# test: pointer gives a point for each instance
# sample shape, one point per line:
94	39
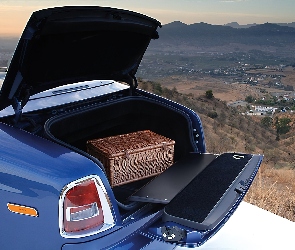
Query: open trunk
125	115
198	190
122	116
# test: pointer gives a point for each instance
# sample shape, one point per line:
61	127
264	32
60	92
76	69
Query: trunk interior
122	116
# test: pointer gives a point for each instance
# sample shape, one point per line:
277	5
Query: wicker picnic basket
134	156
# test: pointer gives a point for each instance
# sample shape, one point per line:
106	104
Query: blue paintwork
129	237
33	172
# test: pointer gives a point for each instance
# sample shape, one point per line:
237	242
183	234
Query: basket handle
127	155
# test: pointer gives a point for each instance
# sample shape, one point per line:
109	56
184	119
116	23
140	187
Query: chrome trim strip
71	216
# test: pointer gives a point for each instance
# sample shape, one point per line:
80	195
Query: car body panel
128	237
33	175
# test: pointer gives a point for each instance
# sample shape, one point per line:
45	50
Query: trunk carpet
198	198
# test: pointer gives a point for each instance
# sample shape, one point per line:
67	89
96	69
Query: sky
14	14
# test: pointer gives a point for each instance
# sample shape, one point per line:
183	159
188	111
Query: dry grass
221	90
273	190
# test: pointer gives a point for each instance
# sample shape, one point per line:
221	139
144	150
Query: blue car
73	79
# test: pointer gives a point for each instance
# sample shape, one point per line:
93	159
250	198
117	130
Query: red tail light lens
85	208
82	208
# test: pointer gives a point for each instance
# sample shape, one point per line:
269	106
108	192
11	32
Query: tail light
84	208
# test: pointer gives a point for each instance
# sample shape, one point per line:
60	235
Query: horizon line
9	36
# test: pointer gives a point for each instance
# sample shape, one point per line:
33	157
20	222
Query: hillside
227	130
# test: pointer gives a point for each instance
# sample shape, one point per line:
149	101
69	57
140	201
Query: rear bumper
152	245
128	237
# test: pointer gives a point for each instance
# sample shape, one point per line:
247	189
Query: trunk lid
66	45
202	190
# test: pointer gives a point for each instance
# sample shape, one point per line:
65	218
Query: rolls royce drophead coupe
72	80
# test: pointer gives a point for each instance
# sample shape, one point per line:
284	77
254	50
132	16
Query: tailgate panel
167	185
215	192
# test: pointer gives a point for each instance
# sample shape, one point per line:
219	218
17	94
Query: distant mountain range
203	34
204	37
239	26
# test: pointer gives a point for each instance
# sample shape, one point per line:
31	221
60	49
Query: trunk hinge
17	106
132	82
135	82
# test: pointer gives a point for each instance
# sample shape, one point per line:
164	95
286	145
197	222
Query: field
273	190
228	91
222	90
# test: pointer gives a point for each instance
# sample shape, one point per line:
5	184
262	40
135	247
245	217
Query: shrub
266	122
282	125
209	94
249	99
212	114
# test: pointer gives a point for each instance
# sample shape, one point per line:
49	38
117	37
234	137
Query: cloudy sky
15	13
